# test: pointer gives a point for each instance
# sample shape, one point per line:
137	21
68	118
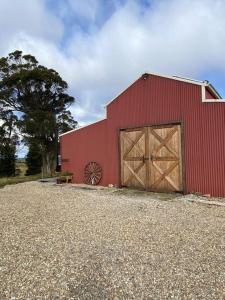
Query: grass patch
134	193
130	192
22	167
18	179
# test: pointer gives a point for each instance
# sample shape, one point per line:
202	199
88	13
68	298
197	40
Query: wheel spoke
92	173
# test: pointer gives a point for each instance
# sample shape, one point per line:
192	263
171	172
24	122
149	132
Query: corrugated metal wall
82	146
158	100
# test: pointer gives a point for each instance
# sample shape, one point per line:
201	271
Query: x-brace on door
151	158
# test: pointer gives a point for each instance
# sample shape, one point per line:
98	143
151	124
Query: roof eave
76	129
214	91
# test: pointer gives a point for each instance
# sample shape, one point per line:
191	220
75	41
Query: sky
100	46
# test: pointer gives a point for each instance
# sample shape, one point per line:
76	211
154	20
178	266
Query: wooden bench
65	179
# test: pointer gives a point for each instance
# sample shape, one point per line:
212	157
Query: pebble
68	242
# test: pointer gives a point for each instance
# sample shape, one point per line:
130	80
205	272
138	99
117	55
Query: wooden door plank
136	158
180	159
121	156
147	158
134	173
160	160
132	158
159	167
164	158
132	144
164	175
164	141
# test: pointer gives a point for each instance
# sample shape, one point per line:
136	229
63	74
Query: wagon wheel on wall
92	173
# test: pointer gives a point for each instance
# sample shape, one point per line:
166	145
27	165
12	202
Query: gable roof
204	83
79	128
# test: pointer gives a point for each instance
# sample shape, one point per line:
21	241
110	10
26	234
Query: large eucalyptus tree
40	99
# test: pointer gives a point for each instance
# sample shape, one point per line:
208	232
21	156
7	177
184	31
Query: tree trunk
49	162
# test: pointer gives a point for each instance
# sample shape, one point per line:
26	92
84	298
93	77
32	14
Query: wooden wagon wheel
92	173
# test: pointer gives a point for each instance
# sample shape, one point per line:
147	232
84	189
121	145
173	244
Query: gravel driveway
65	242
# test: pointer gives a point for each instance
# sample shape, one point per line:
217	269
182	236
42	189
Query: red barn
161	134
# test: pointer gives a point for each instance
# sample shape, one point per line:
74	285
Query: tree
40	96
7	160
8	142
34	159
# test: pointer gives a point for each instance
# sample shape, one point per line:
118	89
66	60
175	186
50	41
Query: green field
21	169
18	179
21	165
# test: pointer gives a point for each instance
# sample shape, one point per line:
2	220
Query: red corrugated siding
82	146
209	95
158	100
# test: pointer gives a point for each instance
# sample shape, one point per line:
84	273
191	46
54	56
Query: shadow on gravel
129	192
135	193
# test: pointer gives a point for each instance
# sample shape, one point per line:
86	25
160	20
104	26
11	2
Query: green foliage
7	160
21	166
19	179
8	142
34	159
18	172
66	173
40	95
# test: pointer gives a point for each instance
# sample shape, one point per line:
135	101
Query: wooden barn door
133	164
165	158
151	158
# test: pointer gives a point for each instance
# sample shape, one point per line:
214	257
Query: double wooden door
151	158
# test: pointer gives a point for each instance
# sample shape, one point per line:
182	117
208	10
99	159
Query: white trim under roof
76	129
205	100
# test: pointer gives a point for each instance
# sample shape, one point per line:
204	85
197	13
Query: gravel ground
67	242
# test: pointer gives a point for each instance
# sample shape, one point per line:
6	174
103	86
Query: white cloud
183	37
30	17
85	9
